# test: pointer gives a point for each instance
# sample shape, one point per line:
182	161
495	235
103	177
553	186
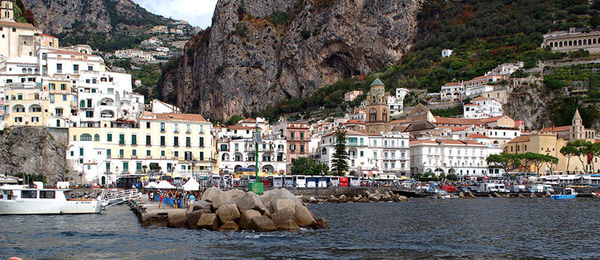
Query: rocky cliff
34	151
78	21
260	51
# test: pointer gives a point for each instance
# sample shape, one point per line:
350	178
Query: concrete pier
149	213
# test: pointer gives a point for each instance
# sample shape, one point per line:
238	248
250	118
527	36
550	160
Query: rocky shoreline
235	210
362	197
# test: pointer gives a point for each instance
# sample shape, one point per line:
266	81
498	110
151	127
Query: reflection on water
420	228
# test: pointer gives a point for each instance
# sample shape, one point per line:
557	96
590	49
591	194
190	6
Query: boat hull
562	197
37	207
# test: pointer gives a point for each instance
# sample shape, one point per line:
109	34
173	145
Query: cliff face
79	20
260	51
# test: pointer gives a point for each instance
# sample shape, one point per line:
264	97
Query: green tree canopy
308	166
340	157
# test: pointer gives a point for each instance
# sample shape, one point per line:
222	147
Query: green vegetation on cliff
483	34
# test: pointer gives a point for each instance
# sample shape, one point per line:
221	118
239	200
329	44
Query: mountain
258	52
104	24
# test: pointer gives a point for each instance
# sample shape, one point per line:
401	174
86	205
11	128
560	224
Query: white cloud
195	12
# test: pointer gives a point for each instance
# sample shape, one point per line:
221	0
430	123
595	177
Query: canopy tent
191	185
151	185
165	185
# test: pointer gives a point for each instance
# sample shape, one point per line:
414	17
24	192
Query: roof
491	119
556	129
471	105
377	82
355	122
239	127
577	115
71	52
45	35
477	136
14	24
400	121
479	99
248	120
457	121
180	117
348	132
520	139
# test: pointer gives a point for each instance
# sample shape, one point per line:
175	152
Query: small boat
23	200
568	193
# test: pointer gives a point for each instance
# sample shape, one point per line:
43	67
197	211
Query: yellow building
23	105
59	103
549	144
161	143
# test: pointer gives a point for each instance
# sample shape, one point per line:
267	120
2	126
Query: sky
195	12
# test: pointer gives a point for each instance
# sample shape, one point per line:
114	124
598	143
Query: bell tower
377	109
6	10
577	129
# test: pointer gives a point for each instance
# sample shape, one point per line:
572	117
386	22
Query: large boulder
283	215
247	216
211	193
281	204
192	219
208	221
288	225
273	195
202	206
303	216
177	218
226	198
228	213
320	223
250	201
262	224
229	226
154	219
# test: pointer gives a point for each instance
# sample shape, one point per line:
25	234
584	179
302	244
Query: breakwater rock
236	210
355	195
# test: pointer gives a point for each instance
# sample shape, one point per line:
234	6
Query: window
301	148
125	166
28	194
292	147
301	135
134	152
162	127
81	151
176	128
52	98
109	137
201	141
90	68
97	137
85	137
162	153
188	128
176	141
63	86
121	153
138	167
75	68
121	139
148	140
89	114
201	156
52	86
58	111
176	153
292	135
188	141
47	194
35	119
148	125
134	139
58	68
148	153
162	141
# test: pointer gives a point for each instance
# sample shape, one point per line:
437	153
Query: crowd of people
174	198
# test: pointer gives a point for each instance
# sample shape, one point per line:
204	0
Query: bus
333	181
344	182
354	182
312	182
276	181
128	181
301	181
288	181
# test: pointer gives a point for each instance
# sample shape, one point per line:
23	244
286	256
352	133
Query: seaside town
317	129
113	132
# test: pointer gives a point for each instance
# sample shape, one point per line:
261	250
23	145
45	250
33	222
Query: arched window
96	137
85	137
373	115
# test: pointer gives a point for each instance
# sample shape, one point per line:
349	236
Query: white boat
21	200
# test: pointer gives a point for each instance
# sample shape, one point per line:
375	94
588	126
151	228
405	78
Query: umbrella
165	185
191	185
151	185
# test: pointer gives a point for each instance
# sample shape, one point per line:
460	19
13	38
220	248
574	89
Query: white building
483	108
236	149
446	53
460	157
370	155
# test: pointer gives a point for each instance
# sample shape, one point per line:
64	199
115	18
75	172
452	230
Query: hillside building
572	40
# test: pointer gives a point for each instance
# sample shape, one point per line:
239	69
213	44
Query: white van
488	187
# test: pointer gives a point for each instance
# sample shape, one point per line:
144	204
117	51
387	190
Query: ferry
22	200
568	193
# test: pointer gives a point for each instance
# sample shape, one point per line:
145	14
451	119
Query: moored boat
22	200
568	193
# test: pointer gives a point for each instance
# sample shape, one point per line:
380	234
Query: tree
507	161
308	166
537	160
569	151
584	148
340	157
